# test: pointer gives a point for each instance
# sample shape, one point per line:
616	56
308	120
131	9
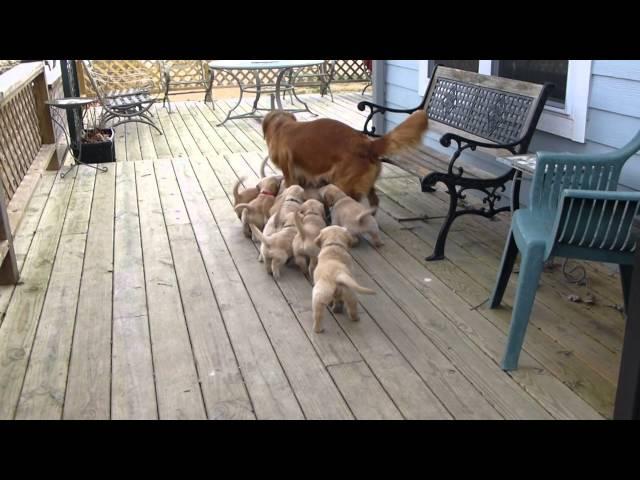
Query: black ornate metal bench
475	111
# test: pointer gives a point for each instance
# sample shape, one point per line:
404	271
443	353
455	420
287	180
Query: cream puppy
310	220
332	279
348	213
276	249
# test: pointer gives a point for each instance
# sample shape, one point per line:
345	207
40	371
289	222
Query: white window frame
567	122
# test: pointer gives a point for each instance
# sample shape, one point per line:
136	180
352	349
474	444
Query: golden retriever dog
352	215
310	220
332	279
329	151
245	196
256	212
276	249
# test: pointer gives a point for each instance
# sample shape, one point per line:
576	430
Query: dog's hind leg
313	262
301	262
374	201
351	301
322	295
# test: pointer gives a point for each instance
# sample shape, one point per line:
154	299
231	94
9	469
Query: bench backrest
484	108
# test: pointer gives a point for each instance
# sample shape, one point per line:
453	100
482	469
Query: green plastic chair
574	212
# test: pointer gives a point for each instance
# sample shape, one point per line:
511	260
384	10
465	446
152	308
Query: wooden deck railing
27	146
346	71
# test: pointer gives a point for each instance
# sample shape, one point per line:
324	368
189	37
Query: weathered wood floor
140	298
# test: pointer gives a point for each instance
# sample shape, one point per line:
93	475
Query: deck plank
44	386
176	378
89	381
219	375
133	393
23	313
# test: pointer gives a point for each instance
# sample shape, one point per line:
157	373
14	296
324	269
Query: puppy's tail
347	281
364	213
298	218
258	234
236	187
405	135
241	207
263	166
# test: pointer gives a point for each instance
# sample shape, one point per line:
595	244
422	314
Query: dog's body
352	215
256	212
329	151
246	196
332	279
310	220
277	248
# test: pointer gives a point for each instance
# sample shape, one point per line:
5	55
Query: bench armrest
375	108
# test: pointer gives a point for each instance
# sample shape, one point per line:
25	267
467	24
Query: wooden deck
141	298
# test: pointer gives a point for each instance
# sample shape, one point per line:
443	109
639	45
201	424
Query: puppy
310	220
289	202
276	249
352	215
268	230
332	280
331	151
256	212
245	196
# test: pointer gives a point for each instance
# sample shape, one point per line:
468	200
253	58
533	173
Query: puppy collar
264	192
293	200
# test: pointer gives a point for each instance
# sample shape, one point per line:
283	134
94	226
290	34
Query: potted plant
98	145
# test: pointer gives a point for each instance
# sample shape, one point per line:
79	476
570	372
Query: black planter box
101	152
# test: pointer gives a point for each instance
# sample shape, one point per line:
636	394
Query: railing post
9	273
82	85
47	135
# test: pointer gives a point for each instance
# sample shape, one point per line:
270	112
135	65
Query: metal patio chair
125	105
197	75
319	76
574	212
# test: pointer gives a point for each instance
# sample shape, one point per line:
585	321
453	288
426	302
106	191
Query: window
538	71
565	112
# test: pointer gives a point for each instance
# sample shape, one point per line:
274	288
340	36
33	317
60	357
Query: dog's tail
364	213
346	280
263	165
236	187
298	218
241	207
405	135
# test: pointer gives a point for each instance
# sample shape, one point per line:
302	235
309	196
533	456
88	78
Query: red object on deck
368	64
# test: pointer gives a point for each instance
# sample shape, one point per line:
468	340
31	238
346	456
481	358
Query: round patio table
275	90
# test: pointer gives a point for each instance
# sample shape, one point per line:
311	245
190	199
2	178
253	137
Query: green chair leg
530	270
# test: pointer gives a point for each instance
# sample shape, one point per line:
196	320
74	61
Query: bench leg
438	251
